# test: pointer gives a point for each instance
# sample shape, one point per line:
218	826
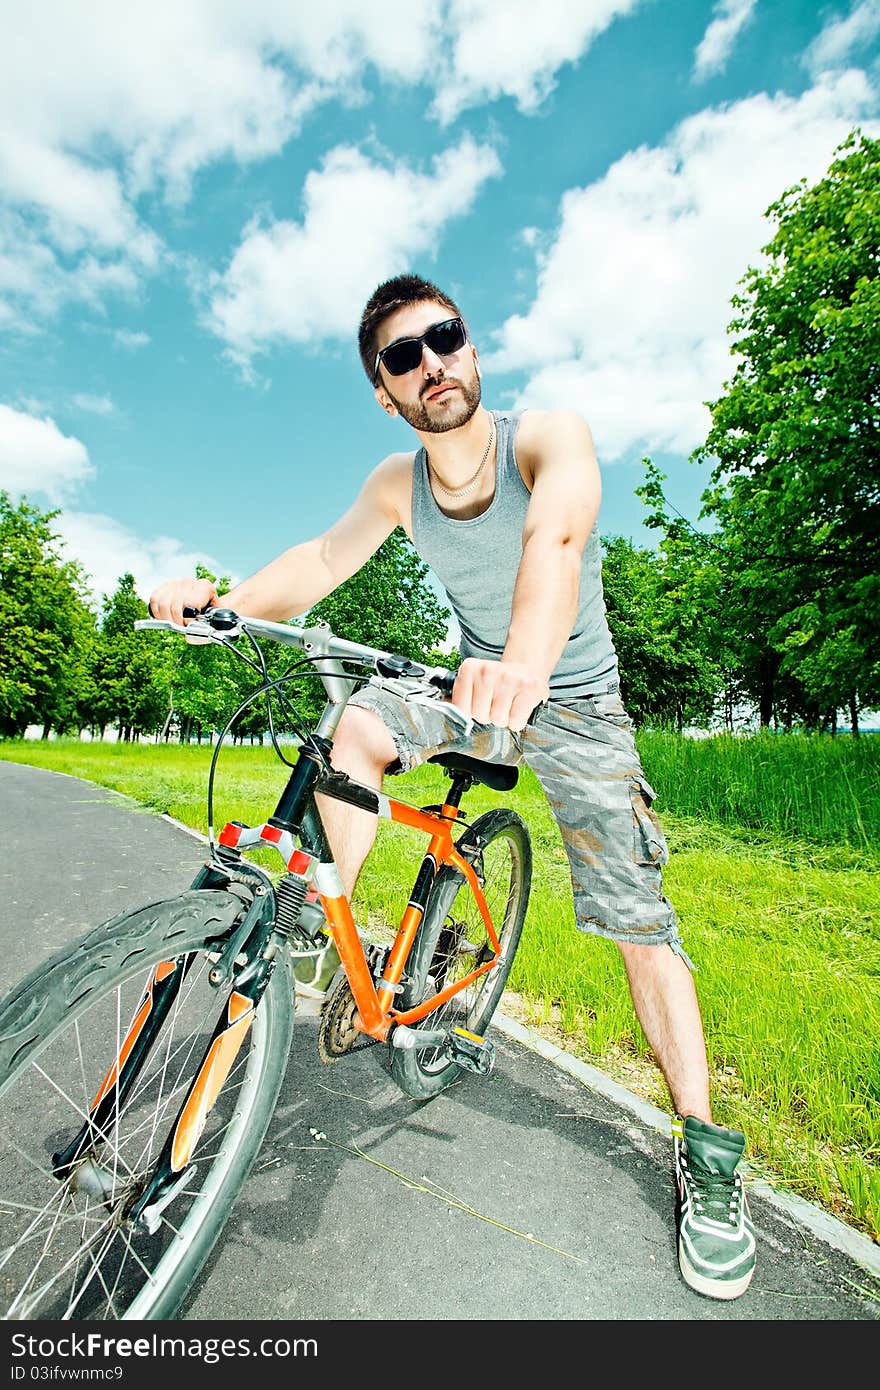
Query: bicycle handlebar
222	624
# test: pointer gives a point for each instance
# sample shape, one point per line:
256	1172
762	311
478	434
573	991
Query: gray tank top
477	561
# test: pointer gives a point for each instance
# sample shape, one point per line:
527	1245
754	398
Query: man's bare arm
566	493
561	515
301	576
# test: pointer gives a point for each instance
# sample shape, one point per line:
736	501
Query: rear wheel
452	941
70	1247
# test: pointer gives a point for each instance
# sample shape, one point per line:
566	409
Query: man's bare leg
666	1006
716	1243
363	748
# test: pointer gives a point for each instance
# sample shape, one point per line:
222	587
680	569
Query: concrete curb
860	1248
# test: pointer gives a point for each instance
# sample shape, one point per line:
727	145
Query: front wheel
452	941
71	1249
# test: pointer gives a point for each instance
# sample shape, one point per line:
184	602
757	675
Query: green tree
795	446
205	683
44	620
69	710
666	673
129	680
703	589
389	603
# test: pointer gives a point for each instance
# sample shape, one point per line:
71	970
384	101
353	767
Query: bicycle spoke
36	1233
36	1267
125	1239
84	1114
33	1232
96	1272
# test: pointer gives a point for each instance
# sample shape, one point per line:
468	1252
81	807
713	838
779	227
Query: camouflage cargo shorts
585	758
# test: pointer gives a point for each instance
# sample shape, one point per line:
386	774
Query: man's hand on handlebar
169	600
504	693
179	600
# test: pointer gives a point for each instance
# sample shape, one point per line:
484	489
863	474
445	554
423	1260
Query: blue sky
196	199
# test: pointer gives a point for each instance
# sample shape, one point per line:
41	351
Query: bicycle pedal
470	1051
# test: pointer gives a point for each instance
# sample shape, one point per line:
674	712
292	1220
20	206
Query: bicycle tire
54	1052
452	939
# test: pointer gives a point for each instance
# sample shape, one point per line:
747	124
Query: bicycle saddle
495	775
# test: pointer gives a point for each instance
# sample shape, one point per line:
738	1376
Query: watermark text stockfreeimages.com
78	1346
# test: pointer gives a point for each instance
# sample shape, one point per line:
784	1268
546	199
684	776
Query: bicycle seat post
461	782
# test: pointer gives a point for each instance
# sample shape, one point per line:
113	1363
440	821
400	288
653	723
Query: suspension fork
172	1166
162	989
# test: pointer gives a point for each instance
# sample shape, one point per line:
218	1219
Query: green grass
810	787
773	873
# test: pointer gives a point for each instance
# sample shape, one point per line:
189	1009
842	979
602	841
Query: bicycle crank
468	1050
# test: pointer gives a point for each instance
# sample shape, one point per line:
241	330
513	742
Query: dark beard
418	417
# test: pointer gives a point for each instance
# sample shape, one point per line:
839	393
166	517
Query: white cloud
35	457
362	220
102	104
35	281
107	549
842	37
716	45
663	402
514	48
82	205
130	339
93	405
173	86
629	321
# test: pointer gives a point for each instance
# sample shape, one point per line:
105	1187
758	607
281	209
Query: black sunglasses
406	354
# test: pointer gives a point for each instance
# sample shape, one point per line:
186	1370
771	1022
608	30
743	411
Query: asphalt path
539	1193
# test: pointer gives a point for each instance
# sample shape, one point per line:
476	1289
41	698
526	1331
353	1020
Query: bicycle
140	1067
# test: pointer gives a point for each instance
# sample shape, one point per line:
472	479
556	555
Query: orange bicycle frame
375	1001
376	1015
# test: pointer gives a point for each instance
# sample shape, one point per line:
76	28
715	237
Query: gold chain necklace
468	487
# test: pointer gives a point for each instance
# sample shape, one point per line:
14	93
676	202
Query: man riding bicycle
503	508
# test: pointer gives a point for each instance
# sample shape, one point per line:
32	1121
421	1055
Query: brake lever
192	629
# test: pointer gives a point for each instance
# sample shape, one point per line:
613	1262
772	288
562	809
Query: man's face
441	393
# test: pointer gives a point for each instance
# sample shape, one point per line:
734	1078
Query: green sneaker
716	1239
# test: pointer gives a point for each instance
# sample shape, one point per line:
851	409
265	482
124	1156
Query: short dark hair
386	299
